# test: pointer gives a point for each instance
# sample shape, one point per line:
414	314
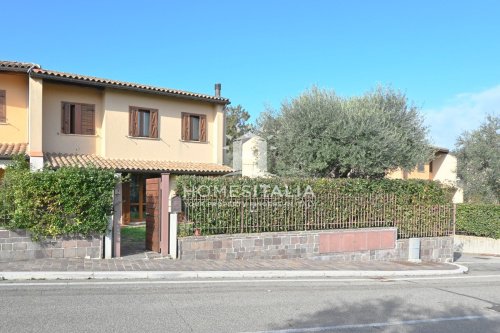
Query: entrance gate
157	216
153	211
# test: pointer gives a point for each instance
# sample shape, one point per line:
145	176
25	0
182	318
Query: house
442	168
60	119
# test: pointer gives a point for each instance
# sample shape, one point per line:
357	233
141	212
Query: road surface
464	303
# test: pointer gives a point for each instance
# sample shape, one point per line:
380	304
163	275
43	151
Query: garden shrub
66	201
481	220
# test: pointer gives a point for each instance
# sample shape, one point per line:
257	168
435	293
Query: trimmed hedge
406	191
481	220
223	205
66	201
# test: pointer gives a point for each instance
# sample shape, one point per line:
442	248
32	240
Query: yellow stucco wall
414	174
168	146
15	130
53	139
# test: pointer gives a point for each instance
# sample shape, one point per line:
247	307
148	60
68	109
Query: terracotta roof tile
10	149
56	160
16	66
39	72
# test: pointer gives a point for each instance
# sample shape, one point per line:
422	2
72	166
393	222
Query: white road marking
374	325
141	282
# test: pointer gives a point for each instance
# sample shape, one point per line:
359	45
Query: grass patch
133	234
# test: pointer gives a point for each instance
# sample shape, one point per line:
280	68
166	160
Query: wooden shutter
153	124
65	118
88	119
133	124
3	106
78	119
185	127
203	128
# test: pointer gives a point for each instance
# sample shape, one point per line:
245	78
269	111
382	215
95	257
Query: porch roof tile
56	160
7	150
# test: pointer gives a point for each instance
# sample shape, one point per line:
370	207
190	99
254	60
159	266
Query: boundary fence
231	215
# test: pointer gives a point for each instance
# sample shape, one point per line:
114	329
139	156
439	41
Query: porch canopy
57	160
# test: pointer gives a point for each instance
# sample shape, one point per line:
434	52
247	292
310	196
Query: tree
478	162
236	126
322	134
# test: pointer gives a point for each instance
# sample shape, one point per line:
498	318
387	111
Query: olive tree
322	134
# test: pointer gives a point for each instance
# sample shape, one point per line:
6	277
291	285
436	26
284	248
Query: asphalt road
465	303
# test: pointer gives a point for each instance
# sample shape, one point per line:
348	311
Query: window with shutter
194	127
78	118
143	122
3	106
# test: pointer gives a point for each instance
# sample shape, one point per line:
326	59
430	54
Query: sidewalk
130	268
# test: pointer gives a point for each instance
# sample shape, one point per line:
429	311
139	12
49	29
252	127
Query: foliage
478	162
236	126
234	205
133	234
481	220
320	134
412	191
66	201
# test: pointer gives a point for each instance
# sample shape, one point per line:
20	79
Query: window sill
190	141
84	135
6	123
142	138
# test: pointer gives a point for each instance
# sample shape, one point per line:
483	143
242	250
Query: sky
444	55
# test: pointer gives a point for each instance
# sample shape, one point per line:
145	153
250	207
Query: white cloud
464	112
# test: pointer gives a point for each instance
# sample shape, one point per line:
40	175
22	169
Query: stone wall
477	245
336	245
18	245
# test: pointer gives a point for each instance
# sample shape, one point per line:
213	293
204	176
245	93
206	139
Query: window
3	107
143	122
421	167
430	167
194	127
78	118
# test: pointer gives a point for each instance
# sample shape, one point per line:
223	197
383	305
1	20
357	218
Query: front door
153	214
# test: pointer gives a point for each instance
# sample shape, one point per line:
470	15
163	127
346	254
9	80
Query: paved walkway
139	263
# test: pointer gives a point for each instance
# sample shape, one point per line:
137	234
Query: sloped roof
38	71
7	150
56	160
16	66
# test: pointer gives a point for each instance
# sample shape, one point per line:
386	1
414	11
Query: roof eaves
96	82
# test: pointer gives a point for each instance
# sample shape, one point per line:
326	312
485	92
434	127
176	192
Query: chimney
218	87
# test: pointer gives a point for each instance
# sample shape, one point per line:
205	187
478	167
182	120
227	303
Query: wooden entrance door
153	214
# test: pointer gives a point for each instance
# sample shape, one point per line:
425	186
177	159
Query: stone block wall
336	245
18	245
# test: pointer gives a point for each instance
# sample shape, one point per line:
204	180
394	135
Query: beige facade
15	129
168	146
53	139
34	115
442	168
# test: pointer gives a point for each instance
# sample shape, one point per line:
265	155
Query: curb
177	275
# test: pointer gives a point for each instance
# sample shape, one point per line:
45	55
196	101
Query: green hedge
478	220
406	191
418	208
67	201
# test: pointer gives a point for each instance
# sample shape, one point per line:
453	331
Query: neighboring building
442	168
250	156
60	119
